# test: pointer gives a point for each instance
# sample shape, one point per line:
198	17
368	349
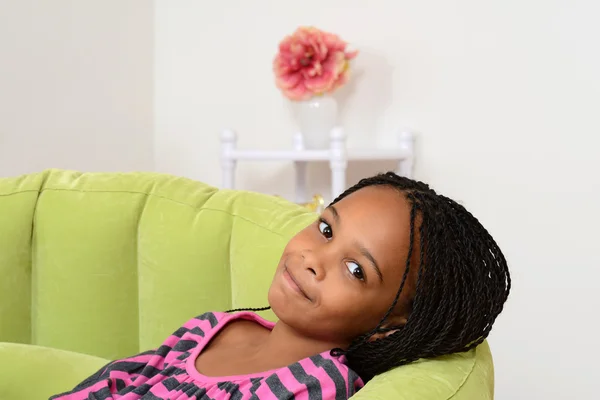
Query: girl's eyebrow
363	250
370	257
336	215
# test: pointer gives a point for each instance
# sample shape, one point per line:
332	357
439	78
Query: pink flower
311	62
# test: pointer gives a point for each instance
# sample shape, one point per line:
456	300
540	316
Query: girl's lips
294	283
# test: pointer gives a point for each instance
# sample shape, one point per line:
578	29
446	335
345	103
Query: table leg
228	163
301	190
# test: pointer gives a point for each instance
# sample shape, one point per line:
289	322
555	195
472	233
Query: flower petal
297	93
288	81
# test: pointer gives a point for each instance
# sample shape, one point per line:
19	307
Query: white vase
316	118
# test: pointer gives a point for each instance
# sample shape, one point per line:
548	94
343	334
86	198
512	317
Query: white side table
337	155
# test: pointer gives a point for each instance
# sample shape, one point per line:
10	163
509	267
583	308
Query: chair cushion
35	372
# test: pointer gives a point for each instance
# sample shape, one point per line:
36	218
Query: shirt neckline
190	364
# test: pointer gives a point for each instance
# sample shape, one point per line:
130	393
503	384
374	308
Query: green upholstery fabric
29	372
110	264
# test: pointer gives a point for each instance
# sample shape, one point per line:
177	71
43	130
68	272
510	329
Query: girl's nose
314	264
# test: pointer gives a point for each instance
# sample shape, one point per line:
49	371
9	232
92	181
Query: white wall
76	85
505	96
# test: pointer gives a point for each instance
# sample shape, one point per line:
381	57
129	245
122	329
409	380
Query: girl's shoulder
204	323
215	321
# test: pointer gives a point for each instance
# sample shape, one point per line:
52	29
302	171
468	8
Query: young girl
390	273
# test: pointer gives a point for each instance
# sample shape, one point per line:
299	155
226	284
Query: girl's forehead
376	198
377	218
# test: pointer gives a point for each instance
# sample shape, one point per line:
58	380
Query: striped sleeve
111	378
142	370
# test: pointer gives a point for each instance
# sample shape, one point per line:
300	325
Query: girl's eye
325	230
356	270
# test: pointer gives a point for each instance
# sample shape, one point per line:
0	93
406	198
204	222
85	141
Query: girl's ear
394	322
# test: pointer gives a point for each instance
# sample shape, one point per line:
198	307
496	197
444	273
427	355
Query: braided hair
462	283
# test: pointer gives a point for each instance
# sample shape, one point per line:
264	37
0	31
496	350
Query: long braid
461	286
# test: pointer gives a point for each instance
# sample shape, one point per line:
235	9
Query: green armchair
92	266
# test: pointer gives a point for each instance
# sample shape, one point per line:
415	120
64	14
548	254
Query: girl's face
338	276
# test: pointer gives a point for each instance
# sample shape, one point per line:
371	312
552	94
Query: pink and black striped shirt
169	372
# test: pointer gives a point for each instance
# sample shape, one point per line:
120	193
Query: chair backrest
110	264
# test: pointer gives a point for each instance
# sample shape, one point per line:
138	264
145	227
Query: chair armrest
35	372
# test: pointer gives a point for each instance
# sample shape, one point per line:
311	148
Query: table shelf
317	155
338	156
